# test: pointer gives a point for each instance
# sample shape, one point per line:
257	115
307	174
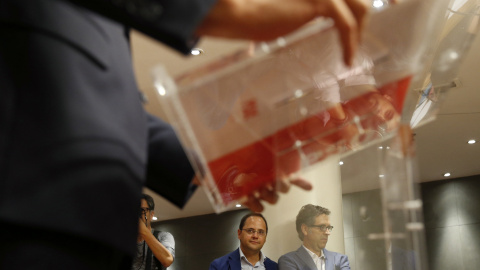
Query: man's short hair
149	200
307	215
244	218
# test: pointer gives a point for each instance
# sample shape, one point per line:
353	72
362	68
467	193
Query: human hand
271	194
268	193
262	20
142	227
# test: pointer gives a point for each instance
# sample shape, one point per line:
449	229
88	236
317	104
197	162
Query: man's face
314	238
252	242
146	212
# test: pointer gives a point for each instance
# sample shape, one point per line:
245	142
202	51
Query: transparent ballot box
265	113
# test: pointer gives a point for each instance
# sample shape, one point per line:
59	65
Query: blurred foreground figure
76	146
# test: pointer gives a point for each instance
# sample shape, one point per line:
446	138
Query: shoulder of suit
230	255
289	254
332	253
270	260
269	264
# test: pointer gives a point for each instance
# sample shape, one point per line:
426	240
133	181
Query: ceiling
441	145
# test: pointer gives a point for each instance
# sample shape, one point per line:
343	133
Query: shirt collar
262	257
313	255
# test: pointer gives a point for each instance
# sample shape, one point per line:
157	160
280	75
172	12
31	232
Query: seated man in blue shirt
252	234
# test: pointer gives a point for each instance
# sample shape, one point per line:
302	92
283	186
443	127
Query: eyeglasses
251	231
322	228
144	210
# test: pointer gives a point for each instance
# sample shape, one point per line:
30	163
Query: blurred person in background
155	249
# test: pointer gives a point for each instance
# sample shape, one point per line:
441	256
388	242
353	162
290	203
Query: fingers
347	28
270	194
196	181
349	17
359	10
283	185
254	204
303	184
267	194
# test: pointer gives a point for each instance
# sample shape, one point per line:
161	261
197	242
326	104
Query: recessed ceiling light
238	205
154	218
377	3
196	51
447	174
471	141
381	175
341	162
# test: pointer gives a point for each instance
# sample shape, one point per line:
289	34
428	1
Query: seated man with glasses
155	249
252	234
313	228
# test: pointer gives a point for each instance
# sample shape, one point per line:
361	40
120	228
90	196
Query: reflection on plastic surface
260	115
460	26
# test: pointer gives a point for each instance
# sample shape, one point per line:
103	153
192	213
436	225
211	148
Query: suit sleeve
286	263
343	263
172	22
169	172
271	265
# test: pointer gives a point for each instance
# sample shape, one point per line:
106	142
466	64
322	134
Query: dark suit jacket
301	260
74	138
231	261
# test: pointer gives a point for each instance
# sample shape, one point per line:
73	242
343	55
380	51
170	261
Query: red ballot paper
259	115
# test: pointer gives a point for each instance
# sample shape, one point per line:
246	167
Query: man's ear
304	229
152	213
238	233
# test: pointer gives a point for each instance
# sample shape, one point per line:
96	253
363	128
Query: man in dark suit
313	228
252	233
75	142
